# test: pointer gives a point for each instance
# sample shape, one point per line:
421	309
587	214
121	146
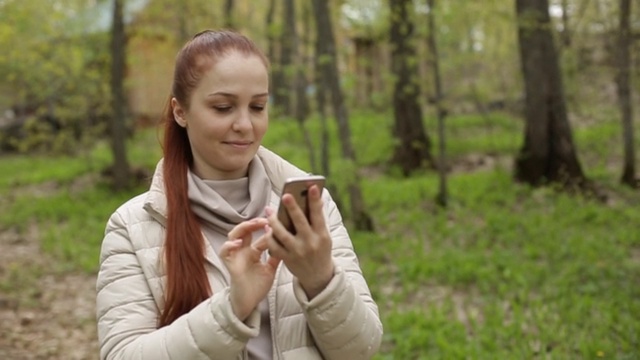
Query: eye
258	107
222	108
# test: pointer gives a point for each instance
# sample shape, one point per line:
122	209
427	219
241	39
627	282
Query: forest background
482	154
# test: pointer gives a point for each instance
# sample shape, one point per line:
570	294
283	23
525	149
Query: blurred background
482	153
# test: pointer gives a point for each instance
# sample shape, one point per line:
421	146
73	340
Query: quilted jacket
342	322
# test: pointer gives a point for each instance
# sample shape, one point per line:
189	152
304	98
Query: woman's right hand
251	278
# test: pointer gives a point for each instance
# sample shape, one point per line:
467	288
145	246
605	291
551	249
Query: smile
239	144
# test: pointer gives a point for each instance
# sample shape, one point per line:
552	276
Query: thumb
274	262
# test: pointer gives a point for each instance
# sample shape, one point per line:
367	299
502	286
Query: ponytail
187	284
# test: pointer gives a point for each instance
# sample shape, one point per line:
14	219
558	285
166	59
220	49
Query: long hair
184	247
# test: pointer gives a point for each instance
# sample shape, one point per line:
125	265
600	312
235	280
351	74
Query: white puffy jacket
342	322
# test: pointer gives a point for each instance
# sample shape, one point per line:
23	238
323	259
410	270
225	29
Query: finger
298	218
316	211
261	244
279	233
268	211
245	228
229	247
275	247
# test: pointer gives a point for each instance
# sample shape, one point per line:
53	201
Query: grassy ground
505	272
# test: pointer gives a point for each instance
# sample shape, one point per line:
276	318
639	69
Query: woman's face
227	116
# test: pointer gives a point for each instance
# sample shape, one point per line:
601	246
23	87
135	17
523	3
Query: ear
178	113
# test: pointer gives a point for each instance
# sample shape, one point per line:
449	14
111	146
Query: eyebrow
220	93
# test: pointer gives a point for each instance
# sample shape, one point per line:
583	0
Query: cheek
211	125
206	135
262	126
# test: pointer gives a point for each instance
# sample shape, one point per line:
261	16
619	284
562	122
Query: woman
192	268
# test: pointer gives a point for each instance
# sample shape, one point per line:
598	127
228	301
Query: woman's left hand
307	254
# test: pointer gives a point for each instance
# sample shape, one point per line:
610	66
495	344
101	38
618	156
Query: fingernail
268	211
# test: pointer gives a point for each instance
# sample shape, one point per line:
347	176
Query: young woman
192	269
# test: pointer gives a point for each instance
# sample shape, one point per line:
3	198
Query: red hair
184	247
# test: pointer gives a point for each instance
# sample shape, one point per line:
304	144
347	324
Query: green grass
23	170
492	134
539	270
71	217
71	223
506	272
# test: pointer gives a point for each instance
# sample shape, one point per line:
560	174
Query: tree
54	77
302	108
330	81
285	90
548	153
288	95
366	23
121	170
442	197
271	34
276	37
229	22
623	81
566	31
321	100
413	147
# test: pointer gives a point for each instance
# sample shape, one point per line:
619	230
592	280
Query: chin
239	161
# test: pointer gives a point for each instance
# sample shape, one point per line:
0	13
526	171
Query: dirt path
45	312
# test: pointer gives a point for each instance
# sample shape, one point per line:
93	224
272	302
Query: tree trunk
566	31
321	100
270	30
623	80
118	128
413	148
302	110
442	198
548	154
229	22
273	34
330	80
365	57
285	86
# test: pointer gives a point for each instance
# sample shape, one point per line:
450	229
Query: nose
242	122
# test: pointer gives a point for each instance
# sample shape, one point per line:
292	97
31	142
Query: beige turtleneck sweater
222	204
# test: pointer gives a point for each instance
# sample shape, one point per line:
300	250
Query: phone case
298	187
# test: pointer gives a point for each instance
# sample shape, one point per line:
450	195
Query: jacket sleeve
343	318
127	313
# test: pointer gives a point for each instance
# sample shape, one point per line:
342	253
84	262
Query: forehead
234	69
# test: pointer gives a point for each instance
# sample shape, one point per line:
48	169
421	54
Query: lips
239	144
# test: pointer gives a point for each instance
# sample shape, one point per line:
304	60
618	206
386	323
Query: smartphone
299	188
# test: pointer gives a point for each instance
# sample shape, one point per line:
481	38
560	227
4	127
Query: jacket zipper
272	314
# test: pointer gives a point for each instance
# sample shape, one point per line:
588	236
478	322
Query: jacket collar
278	170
